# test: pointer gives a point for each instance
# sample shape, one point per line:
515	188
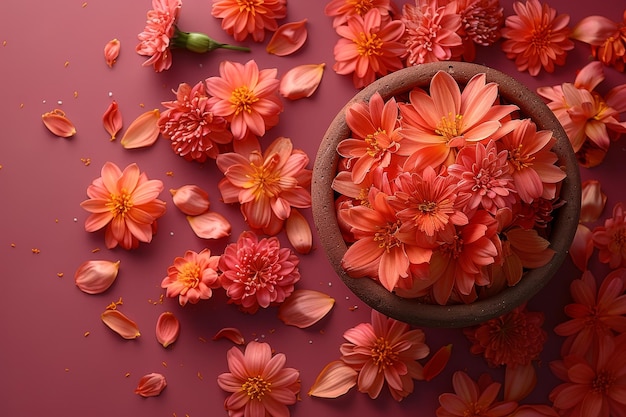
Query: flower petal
191	199
437	362
210	225
581	248
301	81
288	38
519	381
143	131
120	324
593	201
334	380
231	333
304	308
151	385
167	329
58	124
299	232
111	52
112	120
96	276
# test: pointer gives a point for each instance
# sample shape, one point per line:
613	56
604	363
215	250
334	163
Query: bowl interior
411	310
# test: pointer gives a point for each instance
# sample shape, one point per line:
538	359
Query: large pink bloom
266	184
247	97
259	384
189	123
252	17
192	277
258	273
160	29
385	351
369	47
125	203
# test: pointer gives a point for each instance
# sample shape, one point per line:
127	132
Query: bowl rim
412	311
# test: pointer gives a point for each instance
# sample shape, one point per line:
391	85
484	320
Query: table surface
51	55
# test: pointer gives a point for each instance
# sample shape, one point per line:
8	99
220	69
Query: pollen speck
170	173
86	334
66	64
95	250
86	161
60	274
35	250
200	376
75	94
164	364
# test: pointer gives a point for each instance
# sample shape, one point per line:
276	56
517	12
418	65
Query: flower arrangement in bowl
445	194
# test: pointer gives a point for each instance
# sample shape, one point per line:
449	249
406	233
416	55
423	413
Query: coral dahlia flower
246	97
369	47
536	37
192	277
431	31
267	184
125	203
189	123
481	21
160	29
258	273
249	18
258	382
385	350
610	239
607	39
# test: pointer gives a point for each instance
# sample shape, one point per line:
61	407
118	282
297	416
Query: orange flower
340	10
192	277
266	185
369	47
252	18
246	97
126	204
536	37
607	39
610	239
385	350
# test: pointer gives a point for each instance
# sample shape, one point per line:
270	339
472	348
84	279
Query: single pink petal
301	81
299	232
191	199
581	248
594	30
288	38
231	333
151	385
519	381
210	225
437	363
95	277
167	329
592	202
120	324
143	131
304	308
112	120
111	52
334	380
58	123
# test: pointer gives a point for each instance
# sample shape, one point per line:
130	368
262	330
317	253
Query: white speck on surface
110	94
43	101
310	342
75	219
171	233
59	102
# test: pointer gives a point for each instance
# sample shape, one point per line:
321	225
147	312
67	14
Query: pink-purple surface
51	55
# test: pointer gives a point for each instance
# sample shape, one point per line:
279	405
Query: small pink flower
246	97
258	273
193	277
189	122
251	18
258	383
610	239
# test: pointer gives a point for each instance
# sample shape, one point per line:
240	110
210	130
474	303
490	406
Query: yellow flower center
242	99
450	126
383	354
540	37
519	160
264	180
361	6
190	275
368	44
373	148
474	410
256	387
386	237
427	207
120	204
249	5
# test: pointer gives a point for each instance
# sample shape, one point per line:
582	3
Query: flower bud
151	385
111	52
95	277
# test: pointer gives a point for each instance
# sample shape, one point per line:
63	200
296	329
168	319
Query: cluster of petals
445	197
606	37
252	18
610	238
340	10
536	37
124	203
258	383
192	277
481	24
591	120
154	41
258	273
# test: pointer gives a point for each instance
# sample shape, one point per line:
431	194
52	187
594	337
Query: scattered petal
519	381
120	324
143	131
288	38
304	308
593	201
58	124
299	232
301	81
210	225
167	329
112	119
437	362
111	52
230	333
191	199
96	276
581	248
335	380
151	385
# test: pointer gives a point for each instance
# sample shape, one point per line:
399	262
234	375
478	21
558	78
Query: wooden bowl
412	311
